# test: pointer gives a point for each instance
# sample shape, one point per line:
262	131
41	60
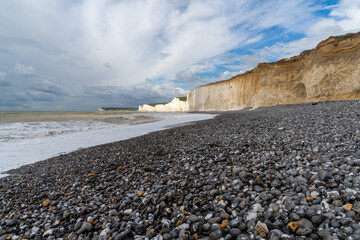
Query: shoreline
276	172
28	151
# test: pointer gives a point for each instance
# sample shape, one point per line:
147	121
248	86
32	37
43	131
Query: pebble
216	234
113	212
85	227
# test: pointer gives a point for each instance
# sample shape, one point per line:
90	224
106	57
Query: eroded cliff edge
329	72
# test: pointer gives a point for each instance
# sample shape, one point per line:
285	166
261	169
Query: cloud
343	18
141	39
187	77
48	87
12	100
124	43
252	60
348	13
227	74
22	69
28	88
133	96
204	67
41	96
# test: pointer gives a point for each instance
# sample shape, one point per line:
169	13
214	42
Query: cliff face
176	105
329	72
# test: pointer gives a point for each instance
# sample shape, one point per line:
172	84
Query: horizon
83	55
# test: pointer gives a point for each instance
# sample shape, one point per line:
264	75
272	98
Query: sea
28	137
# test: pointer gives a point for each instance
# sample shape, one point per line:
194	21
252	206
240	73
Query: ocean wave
12	132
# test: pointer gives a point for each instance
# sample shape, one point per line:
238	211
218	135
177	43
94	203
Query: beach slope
276	172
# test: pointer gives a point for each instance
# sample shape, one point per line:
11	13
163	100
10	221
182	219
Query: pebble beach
283	172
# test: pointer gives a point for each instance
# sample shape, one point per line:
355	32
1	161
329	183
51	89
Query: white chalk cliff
176	105
329	72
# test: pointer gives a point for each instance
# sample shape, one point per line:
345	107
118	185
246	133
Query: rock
356	207
11	222
294	216
214	227
289	204
85	228
263	196
348	230
234	232
105	232
301	179
216	234
252	213
224	215
334	223
334	195
34	231
166	236
66	214
348	207
314	194
184	235
242	237
46	202
184	226
317	219
113	213
275	234
78	225
262	229
234	223
48	233
128	211
140	229
302	227
123	234
322	174
192	218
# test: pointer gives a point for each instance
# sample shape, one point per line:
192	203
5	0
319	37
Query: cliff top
323	47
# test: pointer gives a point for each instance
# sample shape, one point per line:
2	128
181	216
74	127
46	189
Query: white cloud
187	76
200	68
22	69
124	43
141	39
132	96
348	12
344	18
251	60
227	74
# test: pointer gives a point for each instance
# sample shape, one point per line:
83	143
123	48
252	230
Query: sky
85	54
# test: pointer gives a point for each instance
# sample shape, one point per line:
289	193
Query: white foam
26	130
27	151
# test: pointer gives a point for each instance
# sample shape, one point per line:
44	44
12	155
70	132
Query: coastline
242	173
28	151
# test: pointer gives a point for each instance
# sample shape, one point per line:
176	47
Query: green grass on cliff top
182	98
153	104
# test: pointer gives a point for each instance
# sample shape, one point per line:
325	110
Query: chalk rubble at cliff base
285	172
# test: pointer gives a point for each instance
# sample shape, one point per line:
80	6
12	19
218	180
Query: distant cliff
117	109
329	72
178	104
